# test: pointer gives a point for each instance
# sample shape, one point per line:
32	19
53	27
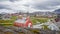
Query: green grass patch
41	20
8	22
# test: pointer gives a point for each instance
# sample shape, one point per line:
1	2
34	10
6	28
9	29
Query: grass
8	22
41	20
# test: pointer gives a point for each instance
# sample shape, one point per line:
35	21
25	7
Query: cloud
9	0
48	4
2	6
6	11
29	5
13	0
14	5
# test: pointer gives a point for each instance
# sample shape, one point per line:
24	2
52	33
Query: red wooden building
23	23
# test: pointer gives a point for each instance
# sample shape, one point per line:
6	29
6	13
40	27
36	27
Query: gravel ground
16	30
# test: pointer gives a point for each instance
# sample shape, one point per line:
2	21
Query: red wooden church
23	23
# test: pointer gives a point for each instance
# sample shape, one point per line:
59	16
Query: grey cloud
14	0
27	5
10	0
47	4
3	0
5	7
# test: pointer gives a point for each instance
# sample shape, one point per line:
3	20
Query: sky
12	6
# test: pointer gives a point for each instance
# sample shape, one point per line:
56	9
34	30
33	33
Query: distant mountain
44	13
57	11
3	13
